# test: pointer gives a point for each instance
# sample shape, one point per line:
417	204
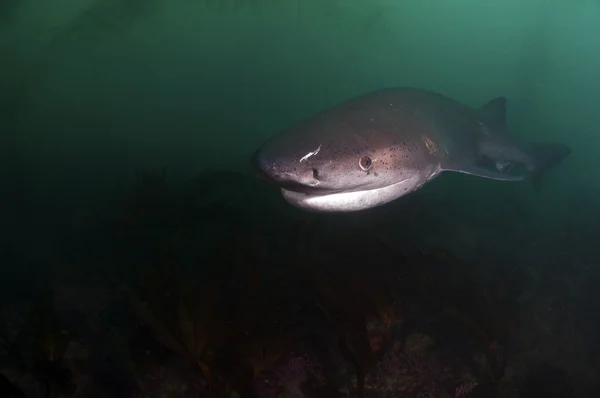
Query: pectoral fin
479	171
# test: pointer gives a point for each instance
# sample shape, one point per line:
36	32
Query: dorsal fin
494	112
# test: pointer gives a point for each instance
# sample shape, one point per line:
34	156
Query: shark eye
315	173
365	163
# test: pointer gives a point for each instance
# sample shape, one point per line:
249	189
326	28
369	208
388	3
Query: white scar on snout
308	155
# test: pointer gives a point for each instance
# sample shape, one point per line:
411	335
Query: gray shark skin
382	145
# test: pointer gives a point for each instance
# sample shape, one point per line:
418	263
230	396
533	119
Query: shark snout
282	173
266	168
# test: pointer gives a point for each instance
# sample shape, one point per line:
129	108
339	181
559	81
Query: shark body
382	145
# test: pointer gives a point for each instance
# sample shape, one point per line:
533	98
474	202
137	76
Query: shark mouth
316	192
296	187
311	190
308	191
361	198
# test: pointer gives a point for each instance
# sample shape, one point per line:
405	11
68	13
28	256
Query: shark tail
545	155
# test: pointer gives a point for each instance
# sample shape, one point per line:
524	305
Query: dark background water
94	91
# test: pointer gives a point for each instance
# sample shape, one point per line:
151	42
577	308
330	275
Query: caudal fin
546	155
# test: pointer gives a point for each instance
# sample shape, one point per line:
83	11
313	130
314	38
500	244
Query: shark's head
331	167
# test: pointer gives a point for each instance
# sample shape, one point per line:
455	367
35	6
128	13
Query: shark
382	145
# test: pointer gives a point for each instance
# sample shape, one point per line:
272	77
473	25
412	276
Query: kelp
345	307
262	353
260	338
39	348
182	318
